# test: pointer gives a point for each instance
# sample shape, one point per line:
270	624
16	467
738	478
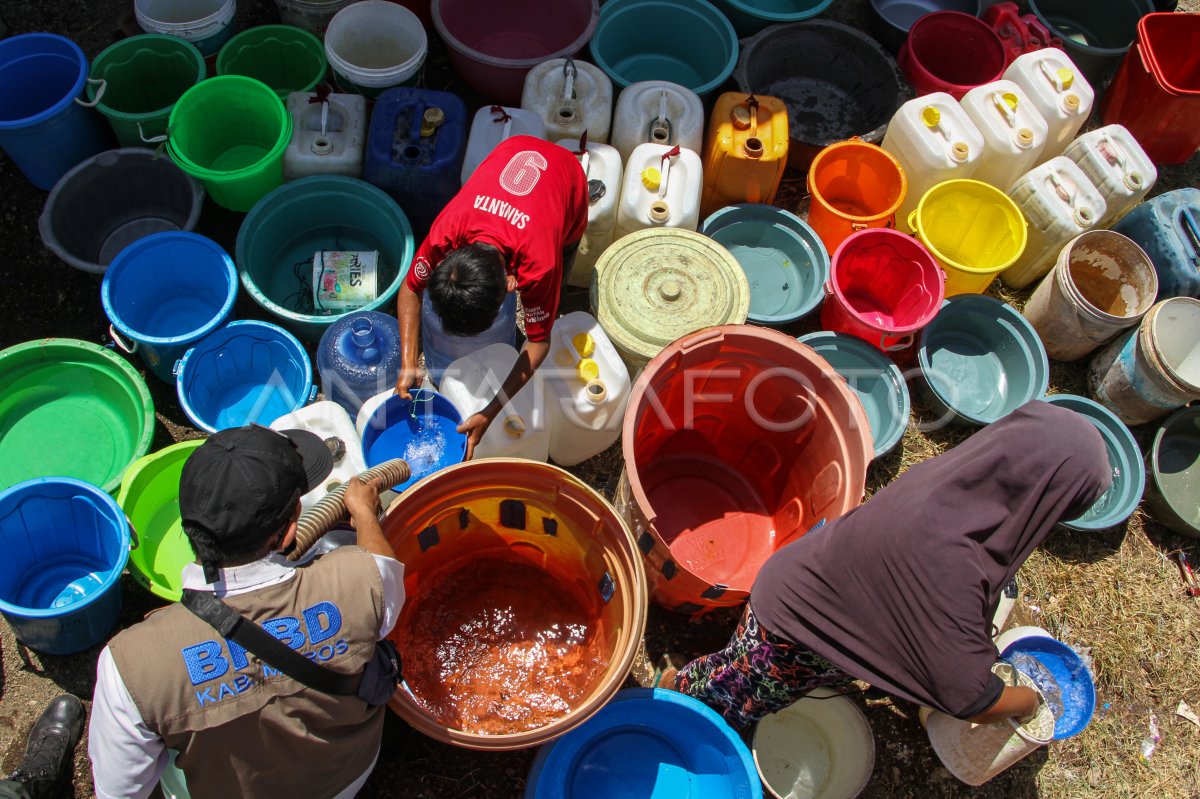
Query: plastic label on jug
343	279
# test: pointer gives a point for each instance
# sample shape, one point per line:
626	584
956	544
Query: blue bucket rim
571	745
138	248
372	431
698	8
114	572
76	89
271	203
219	337
1030	343
1114	432
740	212
1062	649
861	348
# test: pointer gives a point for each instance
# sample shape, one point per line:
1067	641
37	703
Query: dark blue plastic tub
421	431
65	545
44	125
244	373
646	743
166	292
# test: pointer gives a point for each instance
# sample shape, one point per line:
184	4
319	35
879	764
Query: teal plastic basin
874	378
785	262
1173	491
1124	456
980	360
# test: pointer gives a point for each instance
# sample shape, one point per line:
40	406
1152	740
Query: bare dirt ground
1114	592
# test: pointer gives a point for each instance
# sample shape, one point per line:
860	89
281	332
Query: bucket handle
901	344
127	345
134	541
178	367
95	101
312	394
152	139
1191	233
912	221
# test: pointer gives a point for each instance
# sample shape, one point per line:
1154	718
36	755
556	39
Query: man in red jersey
514	225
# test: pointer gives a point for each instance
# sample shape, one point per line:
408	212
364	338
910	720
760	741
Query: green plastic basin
69	408
1173	491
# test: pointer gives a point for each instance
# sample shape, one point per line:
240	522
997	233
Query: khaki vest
241	728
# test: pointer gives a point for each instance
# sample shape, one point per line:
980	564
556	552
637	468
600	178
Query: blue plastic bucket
65	545
688	42
785	262
1069	672
1124	457
421	431
244	373
646	743
45	125
165	292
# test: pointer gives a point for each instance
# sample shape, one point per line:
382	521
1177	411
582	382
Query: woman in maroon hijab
900	592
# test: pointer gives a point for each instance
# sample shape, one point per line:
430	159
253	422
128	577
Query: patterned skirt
757	673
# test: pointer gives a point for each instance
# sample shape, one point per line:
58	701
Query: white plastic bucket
205	23
373	45
819	748
311	15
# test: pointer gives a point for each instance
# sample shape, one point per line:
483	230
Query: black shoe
49	761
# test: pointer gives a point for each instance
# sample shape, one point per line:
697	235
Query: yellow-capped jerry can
745	152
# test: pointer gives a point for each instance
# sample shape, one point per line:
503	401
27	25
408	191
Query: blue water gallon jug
358	357
1168	229
441	349
415	150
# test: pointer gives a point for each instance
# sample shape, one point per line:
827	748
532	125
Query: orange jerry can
746	151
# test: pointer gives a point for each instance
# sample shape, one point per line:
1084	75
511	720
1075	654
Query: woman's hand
406	379
474	427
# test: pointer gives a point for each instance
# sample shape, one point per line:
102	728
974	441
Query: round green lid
656	285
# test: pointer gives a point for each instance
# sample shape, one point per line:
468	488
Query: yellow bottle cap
588	370
584	344
1010	99
1066	77
651	177
931	116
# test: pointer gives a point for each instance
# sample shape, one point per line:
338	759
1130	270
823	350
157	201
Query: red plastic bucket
952	52
1156	92
737	441
883	287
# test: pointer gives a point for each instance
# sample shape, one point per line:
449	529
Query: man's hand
361	500
406	379
474	427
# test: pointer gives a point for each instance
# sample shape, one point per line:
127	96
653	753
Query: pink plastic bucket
952	52
883	287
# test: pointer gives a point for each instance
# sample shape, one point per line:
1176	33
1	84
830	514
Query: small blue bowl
784	260
421	431
1071	674
877	381
646	742
1124	456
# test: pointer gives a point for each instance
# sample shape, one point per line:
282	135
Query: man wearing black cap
239	725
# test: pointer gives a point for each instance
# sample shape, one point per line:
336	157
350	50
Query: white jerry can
1058	90
571	97
472	381
328	137
659	112
602	165
661	188
492	125
1117	165
1014	131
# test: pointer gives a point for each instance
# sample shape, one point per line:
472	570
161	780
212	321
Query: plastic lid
931	116
1010	100
431	120
740	117
587	370
584	344
656	285
651	178
1066	77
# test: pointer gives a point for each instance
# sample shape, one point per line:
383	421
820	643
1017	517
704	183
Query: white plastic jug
1014	131
492	125
570	97
586	389
519	431
602	165
1058	203
1058	90
660	112
934	140
327	137
329	421
661	188
1117	166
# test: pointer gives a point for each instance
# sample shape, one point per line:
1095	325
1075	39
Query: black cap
242	485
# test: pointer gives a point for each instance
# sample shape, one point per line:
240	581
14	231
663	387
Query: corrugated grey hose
330	509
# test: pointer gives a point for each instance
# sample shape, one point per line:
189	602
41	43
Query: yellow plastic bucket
973	230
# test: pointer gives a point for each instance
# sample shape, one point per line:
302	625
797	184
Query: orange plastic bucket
521	583
854	185
737	441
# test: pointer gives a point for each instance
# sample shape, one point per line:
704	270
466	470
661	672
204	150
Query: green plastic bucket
143	78
149	496
69	408
282	233
286	58
230	133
